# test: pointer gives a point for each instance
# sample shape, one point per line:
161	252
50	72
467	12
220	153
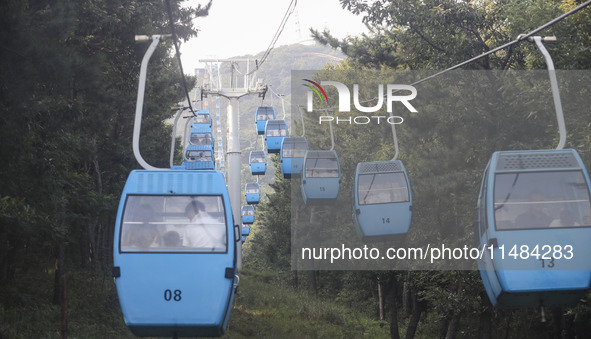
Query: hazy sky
239	27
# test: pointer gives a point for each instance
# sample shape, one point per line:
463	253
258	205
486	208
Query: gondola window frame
523	173
190	252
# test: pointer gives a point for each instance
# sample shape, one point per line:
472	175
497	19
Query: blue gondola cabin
382	201
245	232
247	214
174	253
534	226
258	162
262	114
321	177
202	119
252	193
198	158
293	150
275	131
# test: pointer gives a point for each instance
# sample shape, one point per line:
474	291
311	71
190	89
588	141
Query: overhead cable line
517	40
280	96
290	10
178	55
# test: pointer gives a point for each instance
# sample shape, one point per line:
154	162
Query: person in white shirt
204	232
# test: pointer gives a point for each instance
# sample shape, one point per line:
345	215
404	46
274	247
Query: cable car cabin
293	150
245	232
247	212
202	138
275	131
174	253
202	119
382	200
258	162
252	192
534	210
198	157
321	176
263	114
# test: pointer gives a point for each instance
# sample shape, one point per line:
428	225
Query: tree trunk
443	328
91	253
417	310
557	325
97	227
57	287
9	262
394	330
485	324
312	282
406	298
453	325
64	299
59	290
108	235
380	300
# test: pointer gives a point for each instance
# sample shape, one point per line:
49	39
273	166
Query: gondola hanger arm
331	136
554	85
395	140
303	124
140	98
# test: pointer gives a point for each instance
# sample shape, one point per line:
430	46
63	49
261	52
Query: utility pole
233	93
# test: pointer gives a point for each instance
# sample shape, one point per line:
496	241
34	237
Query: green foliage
270	246
93	309
264	307
67	98
68	83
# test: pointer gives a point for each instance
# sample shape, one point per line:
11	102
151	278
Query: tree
68	82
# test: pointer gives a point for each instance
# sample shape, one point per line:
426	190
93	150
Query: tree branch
416	30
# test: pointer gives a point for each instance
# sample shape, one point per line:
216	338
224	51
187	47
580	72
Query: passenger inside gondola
204	231
178	224
566	219
139	234
264	114
201	119
257	158
536	215
201	139
172	239
552	196
276	130
252	189
193	155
